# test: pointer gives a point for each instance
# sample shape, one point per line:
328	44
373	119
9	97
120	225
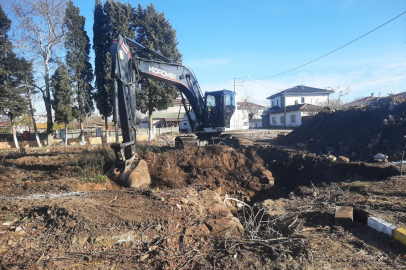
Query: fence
74	134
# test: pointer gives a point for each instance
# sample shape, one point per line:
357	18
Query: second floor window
302	100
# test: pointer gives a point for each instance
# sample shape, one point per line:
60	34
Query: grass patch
92	164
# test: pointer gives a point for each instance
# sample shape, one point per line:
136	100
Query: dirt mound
356	133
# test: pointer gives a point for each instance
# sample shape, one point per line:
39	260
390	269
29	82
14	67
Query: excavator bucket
132	174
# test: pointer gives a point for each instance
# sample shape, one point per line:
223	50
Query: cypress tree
119	19
77	46
12	100
110	19
155	32
102	63
63	97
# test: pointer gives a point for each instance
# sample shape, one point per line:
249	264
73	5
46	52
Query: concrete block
95	140
400	235
381	225
143	138
361	215
344	215
7	145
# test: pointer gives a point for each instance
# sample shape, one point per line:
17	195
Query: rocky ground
256	205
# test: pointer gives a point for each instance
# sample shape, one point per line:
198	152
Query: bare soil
357	133
57	211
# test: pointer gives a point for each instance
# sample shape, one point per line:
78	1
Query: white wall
309	99
256	123
297	123
239	120
174	109
277	101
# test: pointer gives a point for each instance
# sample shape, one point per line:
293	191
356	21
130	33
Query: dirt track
61	213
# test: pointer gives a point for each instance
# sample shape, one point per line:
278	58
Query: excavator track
224	139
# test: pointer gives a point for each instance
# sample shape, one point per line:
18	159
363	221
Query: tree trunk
107	129
150	125
82	132
48	108
13	128
34	123
66	134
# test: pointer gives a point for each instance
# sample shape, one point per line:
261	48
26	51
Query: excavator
208	115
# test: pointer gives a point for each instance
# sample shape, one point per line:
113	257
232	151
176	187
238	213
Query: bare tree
248	103
39	34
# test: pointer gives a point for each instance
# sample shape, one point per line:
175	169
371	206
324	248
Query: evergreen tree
102	63
156	33
12	100
77	46
119	19
110	19
63	97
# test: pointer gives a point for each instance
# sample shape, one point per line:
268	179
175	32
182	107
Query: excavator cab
220	106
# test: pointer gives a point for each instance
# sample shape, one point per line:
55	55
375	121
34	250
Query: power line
331	51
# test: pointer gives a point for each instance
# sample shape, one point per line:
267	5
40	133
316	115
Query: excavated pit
242	171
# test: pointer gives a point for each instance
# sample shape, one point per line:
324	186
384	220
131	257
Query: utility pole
235	81
284	111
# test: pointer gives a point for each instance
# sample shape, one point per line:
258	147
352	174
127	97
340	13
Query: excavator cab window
230	107
210	101
220	106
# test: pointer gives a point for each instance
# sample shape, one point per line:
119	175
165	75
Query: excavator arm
126	71
211	113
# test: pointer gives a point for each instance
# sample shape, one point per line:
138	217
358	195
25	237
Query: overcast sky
226	39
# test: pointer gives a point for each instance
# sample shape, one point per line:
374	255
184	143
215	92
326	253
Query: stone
380	156
400	235
225	227
184	201
267	177
344	215
70	224
381	225
198	230
343	159
329	157
274	208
